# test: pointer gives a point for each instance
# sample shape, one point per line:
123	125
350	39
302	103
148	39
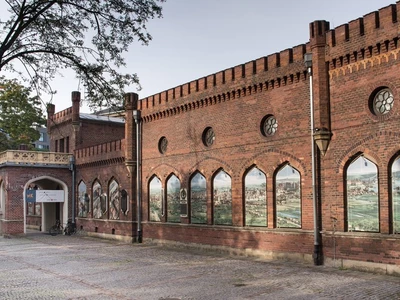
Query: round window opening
208	136
269	125
163	145
382	102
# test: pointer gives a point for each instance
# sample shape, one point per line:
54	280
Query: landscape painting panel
97	211
288	199
362	196
115	205
198	199
155	200
83	206
255	198
396	195
222	199
173	199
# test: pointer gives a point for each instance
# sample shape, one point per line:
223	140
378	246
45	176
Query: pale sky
196	38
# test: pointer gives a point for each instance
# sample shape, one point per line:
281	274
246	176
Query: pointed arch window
83	200
396	195
222	198
288	198
362	196
255	198
115	201
99	201
173	199
155	200
198	199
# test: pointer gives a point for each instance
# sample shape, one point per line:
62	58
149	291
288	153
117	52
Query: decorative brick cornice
365	64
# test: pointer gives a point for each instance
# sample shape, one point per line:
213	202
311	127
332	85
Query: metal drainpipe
72	169
317	249
137	117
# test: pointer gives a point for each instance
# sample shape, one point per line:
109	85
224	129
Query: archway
50	211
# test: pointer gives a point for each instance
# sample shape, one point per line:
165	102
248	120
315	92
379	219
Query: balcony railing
22	157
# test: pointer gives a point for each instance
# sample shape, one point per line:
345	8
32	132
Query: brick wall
16	179
349	63
103	171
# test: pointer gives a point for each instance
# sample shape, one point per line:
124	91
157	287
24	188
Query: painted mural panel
115	204
288	199
173	199
255	198
362	196
31	206
83	198
98	201
155	201
396	195
222	199
198	199
38	209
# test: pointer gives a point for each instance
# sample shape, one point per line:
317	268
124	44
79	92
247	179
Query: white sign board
49	196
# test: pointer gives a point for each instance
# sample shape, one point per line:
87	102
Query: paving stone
39	266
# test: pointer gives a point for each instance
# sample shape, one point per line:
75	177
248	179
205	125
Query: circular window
208	136
269	125
383	102
163	145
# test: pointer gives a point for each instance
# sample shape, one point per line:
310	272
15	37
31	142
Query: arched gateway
34	190
45	202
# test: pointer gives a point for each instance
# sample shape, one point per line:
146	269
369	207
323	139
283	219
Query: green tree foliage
88	36
19	115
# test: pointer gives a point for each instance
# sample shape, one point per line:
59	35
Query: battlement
273	64
367	27
105	151
63	115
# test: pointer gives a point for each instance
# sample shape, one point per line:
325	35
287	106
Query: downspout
137	117
72	169
317	248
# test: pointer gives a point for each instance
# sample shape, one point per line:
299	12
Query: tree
88	36
19	115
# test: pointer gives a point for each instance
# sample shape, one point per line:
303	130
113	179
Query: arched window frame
222	198
173	199
198	198
156	200
114	199
395	194
83	200
287	185
358	189
255	197
99	200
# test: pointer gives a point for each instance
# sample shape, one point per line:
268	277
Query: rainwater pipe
317	247
137	117
72	169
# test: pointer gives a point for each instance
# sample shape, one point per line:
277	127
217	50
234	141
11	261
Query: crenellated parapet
111	151
269	72
363	38
62	116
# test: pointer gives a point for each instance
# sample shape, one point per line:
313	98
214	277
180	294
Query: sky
196	38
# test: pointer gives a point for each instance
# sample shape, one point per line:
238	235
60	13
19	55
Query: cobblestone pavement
40	266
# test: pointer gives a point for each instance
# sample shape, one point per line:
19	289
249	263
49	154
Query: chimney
76	102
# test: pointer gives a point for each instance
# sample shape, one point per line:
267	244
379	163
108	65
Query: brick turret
131	103
318	30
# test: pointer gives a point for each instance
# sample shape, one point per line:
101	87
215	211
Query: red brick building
226	161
